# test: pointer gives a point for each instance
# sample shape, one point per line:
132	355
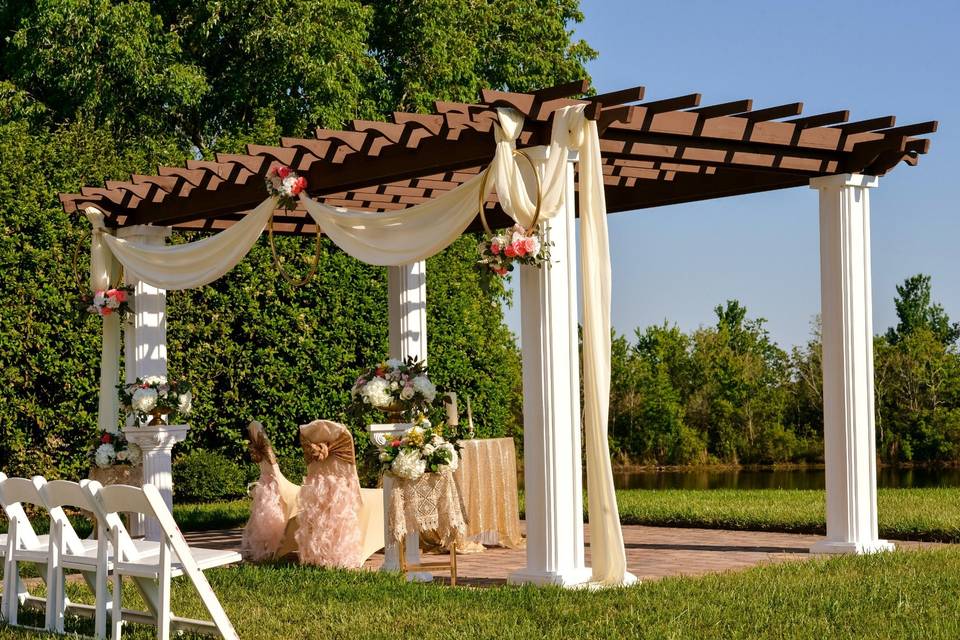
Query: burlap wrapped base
118	474
431	503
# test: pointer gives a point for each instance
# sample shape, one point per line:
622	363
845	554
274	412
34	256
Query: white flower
408	465
407	393
144	400
105	455
393	363
423	385
384	456
376	393
454	458
428	450
155	381
186	403
436	441
536	245
288	183
394	386
121	456
112	302
134	454
99	298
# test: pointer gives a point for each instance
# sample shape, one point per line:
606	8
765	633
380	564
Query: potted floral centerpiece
150	399
395	387
113	449
420	449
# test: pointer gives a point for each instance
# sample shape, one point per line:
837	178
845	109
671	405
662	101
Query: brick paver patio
652	552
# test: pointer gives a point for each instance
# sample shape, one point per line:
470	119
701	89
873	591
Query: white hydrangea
144	400
393	363
408	465
454	458
134	454
155	380
376	393
105	455
423	385
185	405
428	450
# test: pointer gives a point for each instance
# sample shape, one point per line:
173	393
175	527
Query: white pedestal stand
157	442
391	560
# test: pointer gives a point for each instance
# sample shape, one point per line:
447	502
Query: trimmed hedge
202	476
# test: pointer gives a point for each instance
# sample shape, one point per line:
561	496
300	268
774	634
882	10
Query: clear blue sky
873	58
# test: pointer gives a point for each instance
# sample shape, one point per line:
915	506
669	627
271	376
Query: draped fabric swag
416	233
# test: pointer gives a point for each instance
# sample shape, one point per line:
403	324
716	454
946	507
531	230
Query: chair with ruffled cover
269	534
329	533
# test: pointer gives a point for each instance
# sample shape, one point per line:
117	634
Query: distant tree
915	311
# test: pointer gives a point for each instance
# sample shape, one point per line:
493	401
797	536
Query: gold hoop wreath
482	196
279	265
84	289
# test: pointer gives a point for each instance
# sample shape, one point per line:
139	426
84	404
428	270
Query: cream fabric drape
189	265
103	268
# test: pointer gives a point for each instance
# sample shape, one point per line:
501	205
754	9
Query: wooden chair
153	569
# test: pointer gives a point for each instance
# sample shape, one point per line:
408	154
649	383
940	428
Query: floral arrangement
113	448
285	185
395	386
109	301
421	449
155	396
499	251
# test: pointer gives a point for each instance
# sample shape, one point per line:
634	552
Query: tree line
727	393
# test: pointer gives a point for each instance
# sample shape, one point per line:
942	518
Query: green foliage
203	476
916	312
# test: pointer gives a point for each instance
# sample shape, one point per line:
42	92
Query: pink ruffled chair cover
273	504
329	534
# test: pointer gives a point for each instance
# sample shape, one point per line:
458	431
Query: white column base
852	548
571	578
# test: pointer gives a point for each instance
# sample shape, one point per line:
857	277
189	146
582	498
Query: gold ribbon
260	449
341	449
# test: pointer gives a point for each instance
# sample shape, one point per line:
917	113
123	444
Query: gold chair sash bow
341	449
260	449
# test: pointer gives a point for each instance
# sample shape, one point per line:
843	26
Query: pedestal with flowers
150	403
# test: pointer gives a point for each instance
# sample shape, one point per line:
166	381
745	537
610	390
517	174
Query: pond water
888	477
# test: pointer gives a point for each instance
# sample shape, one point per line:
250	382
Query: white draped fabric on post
416	233
103	272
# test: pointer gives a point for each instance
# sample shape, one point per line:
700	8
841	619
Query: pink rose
105	311
495	248
299	185
530	245
283	171
520	248
510	251
500	271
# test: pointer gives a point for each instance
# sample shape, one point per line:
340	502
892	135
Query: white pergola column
551	410
407	311
145	349
850	451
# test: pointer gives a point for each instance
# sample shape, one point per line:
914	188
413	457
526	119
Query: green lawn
905	514
896	595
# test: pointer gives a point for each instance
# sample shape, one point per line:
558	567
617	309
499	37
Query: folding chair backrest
109	516
14	493
57	494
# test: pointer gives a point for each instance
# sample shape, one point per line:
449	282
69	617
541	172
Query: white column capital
844	180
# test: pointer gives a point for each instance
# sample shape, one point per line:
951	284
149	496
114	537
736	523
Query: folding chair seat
153	566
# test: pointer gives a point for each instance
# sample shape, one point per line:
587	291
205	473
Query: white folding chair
152	570
24	545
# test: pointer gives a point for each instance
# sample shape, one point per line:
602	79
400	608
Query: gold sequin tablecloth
487	479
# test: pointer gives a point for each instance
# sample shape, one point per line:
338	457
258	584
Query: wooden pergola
654	153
